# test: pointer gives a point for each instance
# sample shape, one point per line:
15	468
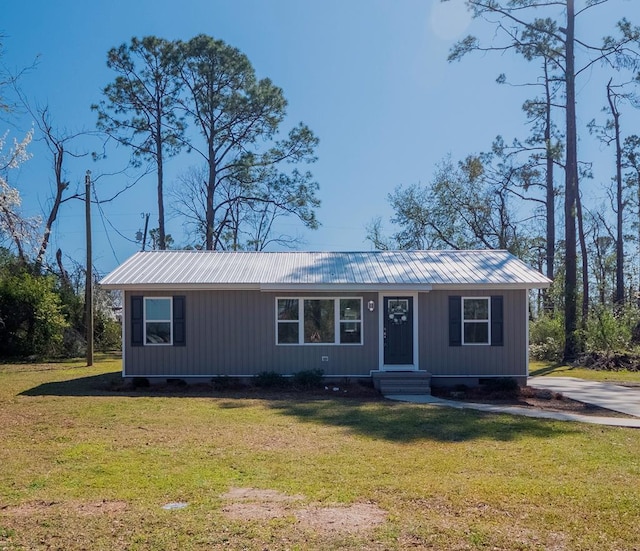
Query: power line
102	218
113	227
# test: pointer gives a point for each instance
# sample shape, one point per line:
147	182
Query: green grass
622	376
86	466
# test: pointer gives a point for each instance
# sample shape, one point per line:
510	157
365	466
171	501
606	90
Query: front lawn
84	465
554	370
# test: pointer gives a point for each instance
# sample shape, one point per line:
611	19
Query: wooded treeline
525	193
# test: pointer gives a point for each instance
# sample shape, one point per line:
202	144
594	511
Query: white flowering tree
14	227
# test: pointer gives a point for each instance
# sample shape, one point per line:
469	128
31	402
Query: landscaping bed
526	396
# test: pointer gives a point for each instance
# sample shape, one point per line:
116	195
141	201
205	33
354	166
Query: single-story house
460	316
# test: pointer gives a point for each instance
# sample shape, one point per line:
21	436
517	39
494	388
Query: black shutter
455	321
137	321
179	334
497	323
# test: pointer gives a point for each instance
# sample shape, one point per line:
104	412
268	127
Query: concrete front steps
402	382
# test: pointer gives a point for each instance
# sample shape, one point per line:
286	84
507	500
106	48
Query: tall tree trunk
571	191
550	196
61	186
550	203
64	275
638	197
211	190
619	293
585	260
210	213
162	242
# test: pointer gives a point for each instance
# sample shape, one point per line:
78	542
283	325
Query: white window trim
170	321
487	321
336	320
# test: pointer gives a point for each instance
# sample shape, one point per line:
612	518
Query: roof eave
180	286
266	287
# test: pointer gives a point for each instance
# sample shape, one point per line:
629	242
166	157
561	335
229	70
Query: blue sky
369	77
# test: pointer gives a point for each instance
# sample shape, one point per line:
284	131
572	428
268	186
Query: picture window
312	320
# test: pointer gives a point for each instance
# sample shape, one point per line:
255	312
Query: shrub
311	378
140	382
221	383
269	379
108	334
31	320
74	345
607	331
501	384
546	338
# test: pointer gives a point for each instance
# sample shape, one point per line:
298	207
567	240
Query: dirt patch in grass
356	518
255	494
254	504
83	508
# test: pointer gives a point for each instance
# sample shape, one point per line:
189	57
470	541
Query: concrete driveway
614	397
605	395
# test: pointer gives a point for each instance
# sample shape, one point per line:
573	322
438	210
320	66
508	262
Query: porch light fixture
371	306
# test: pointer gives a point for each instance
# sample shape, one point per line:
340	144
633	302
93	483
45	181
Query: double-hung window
158	316
476	320
476	313
158	320
319	320
288	321
350	321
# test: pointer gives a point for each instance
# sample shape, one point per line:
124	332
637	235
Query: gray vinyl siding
232	333
442	360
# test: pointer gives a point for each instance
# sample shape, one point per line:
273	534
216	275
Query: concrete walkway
605	395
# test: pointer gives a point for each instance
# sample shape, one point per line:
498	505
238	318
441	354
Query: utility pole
146	226
89	279
143	236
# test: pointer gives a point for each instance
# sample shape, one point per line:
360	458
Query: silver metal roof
418	270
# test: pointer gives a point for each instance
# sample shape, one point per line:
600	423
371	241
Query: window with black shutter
179	333
476	321
137	321
158	321
455	321
497	325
